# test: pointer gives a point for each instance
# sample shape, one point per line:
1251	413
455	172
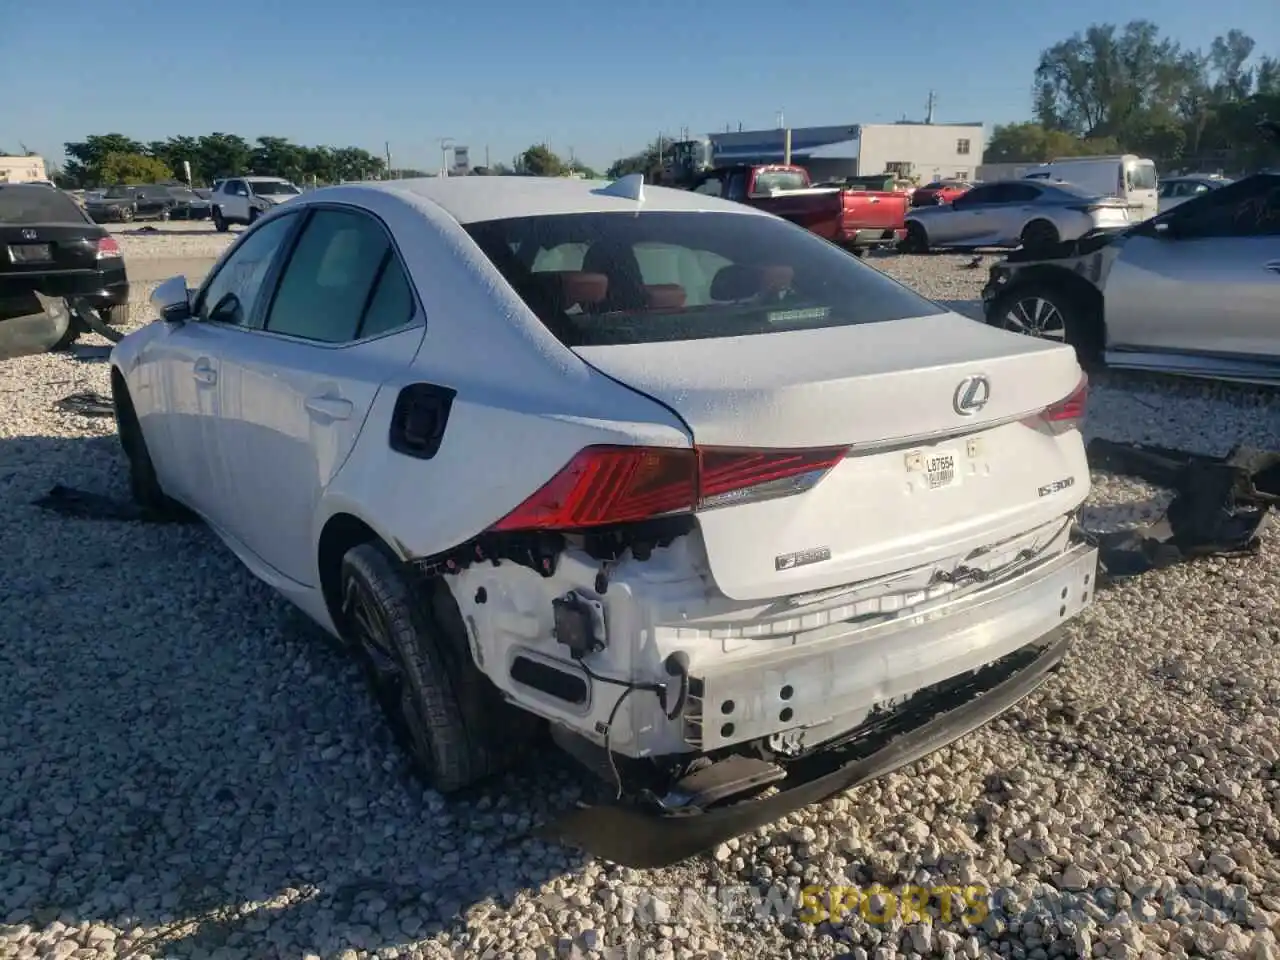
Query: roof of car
475	199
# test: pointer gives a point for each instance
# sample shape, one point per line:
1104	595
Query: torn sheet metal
1221	505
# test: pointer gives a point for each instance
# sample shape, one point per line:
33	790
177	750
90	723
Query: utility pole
929	105
387	144
486	156
781	119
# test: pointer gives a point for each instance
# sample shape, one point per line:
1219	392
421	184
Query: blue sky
602	78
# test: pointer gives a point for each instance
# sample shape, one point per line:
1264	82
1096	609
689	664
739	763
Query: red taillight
107	248
1071	407
606	485
727	476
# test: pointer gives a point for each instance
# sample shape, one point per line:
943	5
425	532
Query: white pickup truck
244	199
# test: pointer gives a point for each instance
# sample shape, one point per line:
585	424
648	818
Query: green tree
220	155
85	157
1032	142
538	161
133	168
647	161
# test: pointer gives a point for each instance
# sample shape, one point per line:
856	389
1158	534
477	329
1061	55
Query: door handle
203	371
1273	266
329	408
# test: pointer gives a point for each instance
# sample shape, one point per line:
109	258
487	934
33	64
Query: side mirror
172	300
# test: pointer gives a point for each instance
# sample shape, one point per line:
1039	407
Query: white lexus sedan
737	518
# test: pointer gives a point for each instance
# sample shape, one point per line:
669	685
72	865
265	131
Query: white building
928	151
22	169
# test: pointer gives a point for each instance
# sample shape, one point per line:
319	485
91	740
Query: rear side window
33	205
665	276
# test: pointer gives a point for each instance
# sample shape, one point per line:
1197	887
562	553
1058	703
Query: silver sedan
1013	213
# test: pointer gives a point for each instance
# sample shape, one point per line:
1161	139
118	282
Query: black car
126	203
49	245
188	204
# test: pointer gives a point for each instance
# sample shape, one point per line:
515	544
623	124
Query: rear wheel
219	221
1039	234
1049	313
164	214
916	240
411	638
126	215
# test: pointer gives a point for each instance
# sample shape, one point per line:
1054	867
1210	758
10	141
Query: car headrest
575	287
665	296
740	281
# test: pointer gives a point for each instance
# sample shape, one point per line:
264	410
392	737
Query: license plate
30	253
941	469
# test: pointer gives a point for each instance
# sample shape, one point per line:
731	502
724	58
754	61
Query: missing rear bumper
643	837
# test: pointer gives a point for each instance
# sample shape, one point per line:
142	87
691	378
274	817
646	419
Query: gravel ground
187	770
176	239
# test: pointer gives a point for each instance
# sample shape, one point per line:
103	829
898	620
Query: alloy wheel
1036	317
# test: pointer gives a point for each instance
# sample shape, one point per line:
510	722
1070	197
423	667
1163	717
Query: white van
1124	175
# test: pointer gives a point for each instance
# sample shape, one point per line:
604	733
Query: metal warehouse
925	150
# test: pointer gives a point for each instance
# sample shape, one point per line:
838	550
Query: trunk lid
41	249
920	480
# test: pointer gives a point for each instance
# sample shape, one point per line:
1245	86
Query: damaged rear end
866	549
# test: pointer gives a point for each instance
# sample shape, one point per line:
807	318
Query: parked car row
1194	290
152	201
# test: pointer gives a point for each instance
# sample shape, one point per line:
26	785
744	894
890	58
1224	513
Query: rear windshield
597	279
768	180
1143	176
33	205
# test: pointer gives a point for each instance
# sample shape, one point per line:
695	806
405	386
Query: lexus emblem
972	394
29	234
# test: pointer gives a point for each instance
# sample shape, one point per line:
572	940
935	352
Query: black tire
219	221
916	240
126	215
115	315
858	252
410	636
1039	234
1051	313
254	214
144	486
164	214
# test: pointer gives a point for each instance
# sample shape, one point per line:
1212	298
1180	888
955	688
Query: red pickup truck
854	219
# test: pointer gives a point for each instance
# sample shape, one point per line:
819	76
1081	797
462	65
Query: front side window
232	294
1142	176
328	281
663	276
